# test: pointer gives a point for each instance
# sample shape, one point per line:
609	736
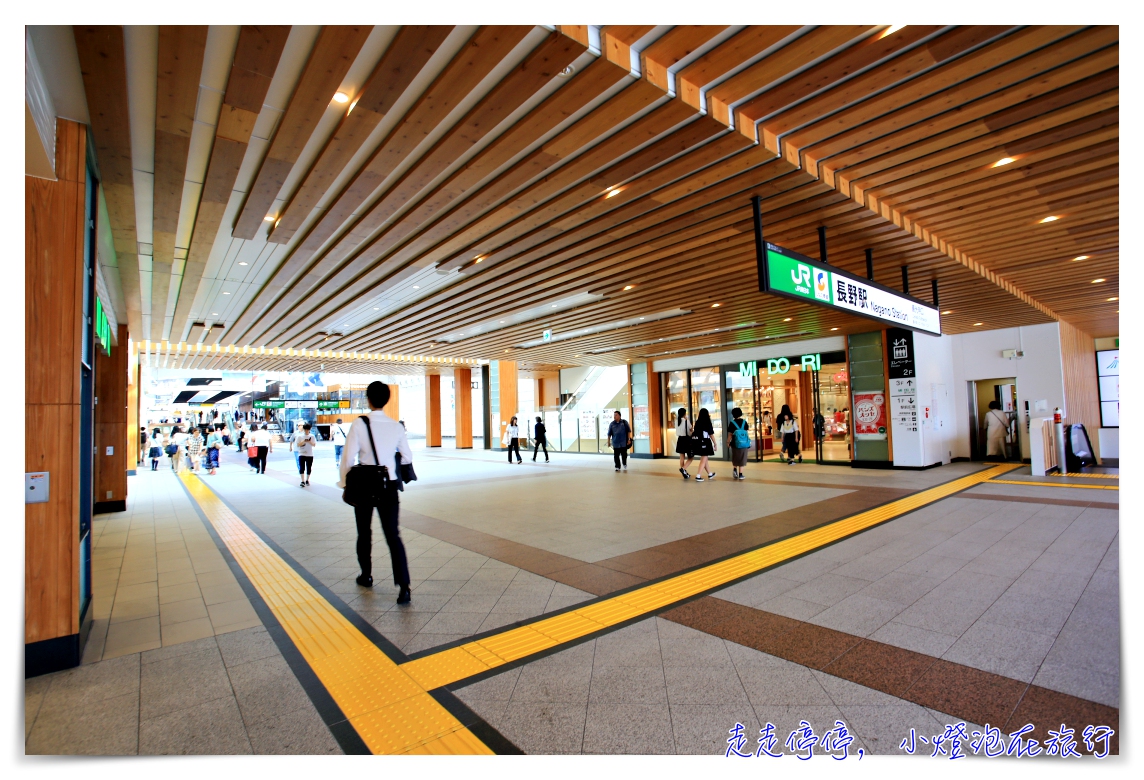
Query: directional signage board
790	274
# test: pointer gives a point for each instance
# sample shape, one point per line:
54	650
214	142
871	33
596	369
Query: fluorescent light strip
592	330
526	315
729	344
649	342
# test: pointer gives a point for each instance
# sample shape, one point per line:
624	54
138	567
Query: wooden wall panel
1082	396
53	315
134	449
463	406
393	408
111	430
433	410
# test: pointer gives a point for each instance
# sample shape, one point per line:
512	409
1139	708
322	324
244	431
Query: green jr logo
801	277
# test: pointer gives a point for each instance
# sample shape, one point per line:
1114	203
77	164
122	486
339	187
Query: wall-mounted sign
870	415
1108	379
102	327
546	336
333	405
900	349
792	275
750	368
779	366
269	404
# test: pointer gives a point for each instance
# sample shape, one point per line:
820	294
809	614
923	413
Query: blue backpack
740	438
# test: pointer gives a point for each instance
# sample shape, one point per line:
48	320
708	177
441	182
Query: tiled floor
1010	589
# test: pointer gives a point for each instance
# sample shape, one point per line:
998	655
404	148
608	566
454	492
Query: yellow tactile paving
457	663
1089	476
1079	485
386	706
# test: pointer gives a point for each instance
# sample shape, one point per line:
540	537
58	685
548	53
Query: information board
793	275
1108	378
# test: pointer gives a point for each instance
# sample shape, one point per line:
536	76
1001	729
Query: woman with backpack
683	442
739	440
703	443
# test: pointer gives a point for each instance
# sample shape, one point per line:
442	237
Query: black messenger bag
366	485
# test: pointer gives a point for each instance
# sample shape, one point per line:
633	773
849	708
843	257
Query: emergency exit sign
793	275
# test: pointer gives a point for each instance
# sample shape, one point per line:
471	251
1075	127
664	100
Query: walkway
967	599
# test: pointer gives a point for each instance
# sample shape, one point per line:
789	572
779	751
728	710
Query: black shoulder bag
366	485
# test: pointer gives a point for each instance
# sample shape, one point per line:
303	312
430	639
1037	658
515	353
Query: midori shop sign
793	275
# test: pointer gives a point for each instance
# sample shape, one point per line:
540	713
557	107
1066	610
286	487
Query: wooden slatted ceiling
103	66
333	53
256	56
896	135
181	50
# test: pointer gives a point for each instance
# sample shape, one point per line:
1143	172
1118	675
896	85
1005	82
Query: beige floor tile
180	592
187	631
174	564
139	591
227	591
182	611
125	610
178	577
208	566
253	623
231	612
132	637
138	576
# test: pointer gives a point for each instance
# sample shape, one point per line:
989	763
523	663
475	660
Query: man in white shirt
388	438
339	435
260	438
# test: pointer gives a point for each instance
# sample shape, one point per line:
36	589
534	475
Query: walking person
214	447
156	450
703	441
338	433
791	435
739	440
240	437
263	443
511	440
620	438
384	436
305	442
540	436
195	450
996	430
179	443
683	442
143	438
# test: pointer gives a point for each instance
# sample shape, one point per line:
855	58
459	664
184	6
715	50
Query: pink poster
870	415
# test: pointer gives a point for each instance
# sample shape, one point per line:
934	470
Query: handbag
252	452
366	485
171	449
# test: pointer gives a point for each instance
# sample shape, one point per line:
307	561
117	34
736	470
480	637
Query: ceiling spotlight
948	311
243	262
893	28
554	305
506	350
834	328
226	293
268	218
502	322
416	287
1114	298
377	308
787	319
641	318
978	323
1096	281
341	97
1049	219
568	71
1080	257
1003	161
613	193
716	305
214	313
628	287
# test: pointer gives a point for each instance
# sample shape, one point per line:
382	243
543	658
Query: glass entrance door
706	394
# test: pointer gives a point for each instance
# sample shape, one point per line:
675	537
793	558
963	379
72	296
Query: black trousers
262	452
536	451
513	446
388	513
618	454
305	464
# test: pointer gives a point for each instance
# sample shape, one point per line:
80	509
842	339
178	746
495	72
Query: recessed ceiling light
214	313
1049	218
226	293
377	308
568	71
268	218
1097	281
978	323
716	305
243	262
506	350
641	318
1080	257
1114	298
628	287
893	28
787	319
502	322
1003	161
555	305
613	193
834	328
416	287
341	97
948	311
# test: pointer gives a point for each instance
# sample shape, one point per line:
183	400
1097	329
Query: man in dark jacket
540	436
620	437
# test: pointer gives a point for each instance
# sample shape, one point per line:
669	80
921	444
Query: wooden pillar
654	411
463	404
433	410
110	491
133	423
53	331
393	408
506	394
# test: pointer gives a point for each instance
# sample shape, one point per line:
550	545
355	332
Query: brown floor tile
811	645
880	666
750	627
594	579
1047	709
979	697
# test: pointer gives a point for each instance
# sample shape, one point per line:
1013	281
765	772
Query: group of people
511	440
699	439
185	450
258	444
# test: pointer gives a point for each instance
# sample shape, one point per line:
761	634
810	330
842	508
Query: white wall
932	443
1039	374
570	378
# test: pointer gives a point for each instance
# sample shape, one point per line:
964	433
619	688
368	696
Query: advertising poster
870	415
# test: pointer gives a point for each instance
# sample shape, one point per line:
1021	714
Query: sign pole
760	249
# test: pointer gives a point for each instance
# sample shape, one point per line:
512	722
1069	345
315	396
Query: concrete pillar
433	410
463	404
